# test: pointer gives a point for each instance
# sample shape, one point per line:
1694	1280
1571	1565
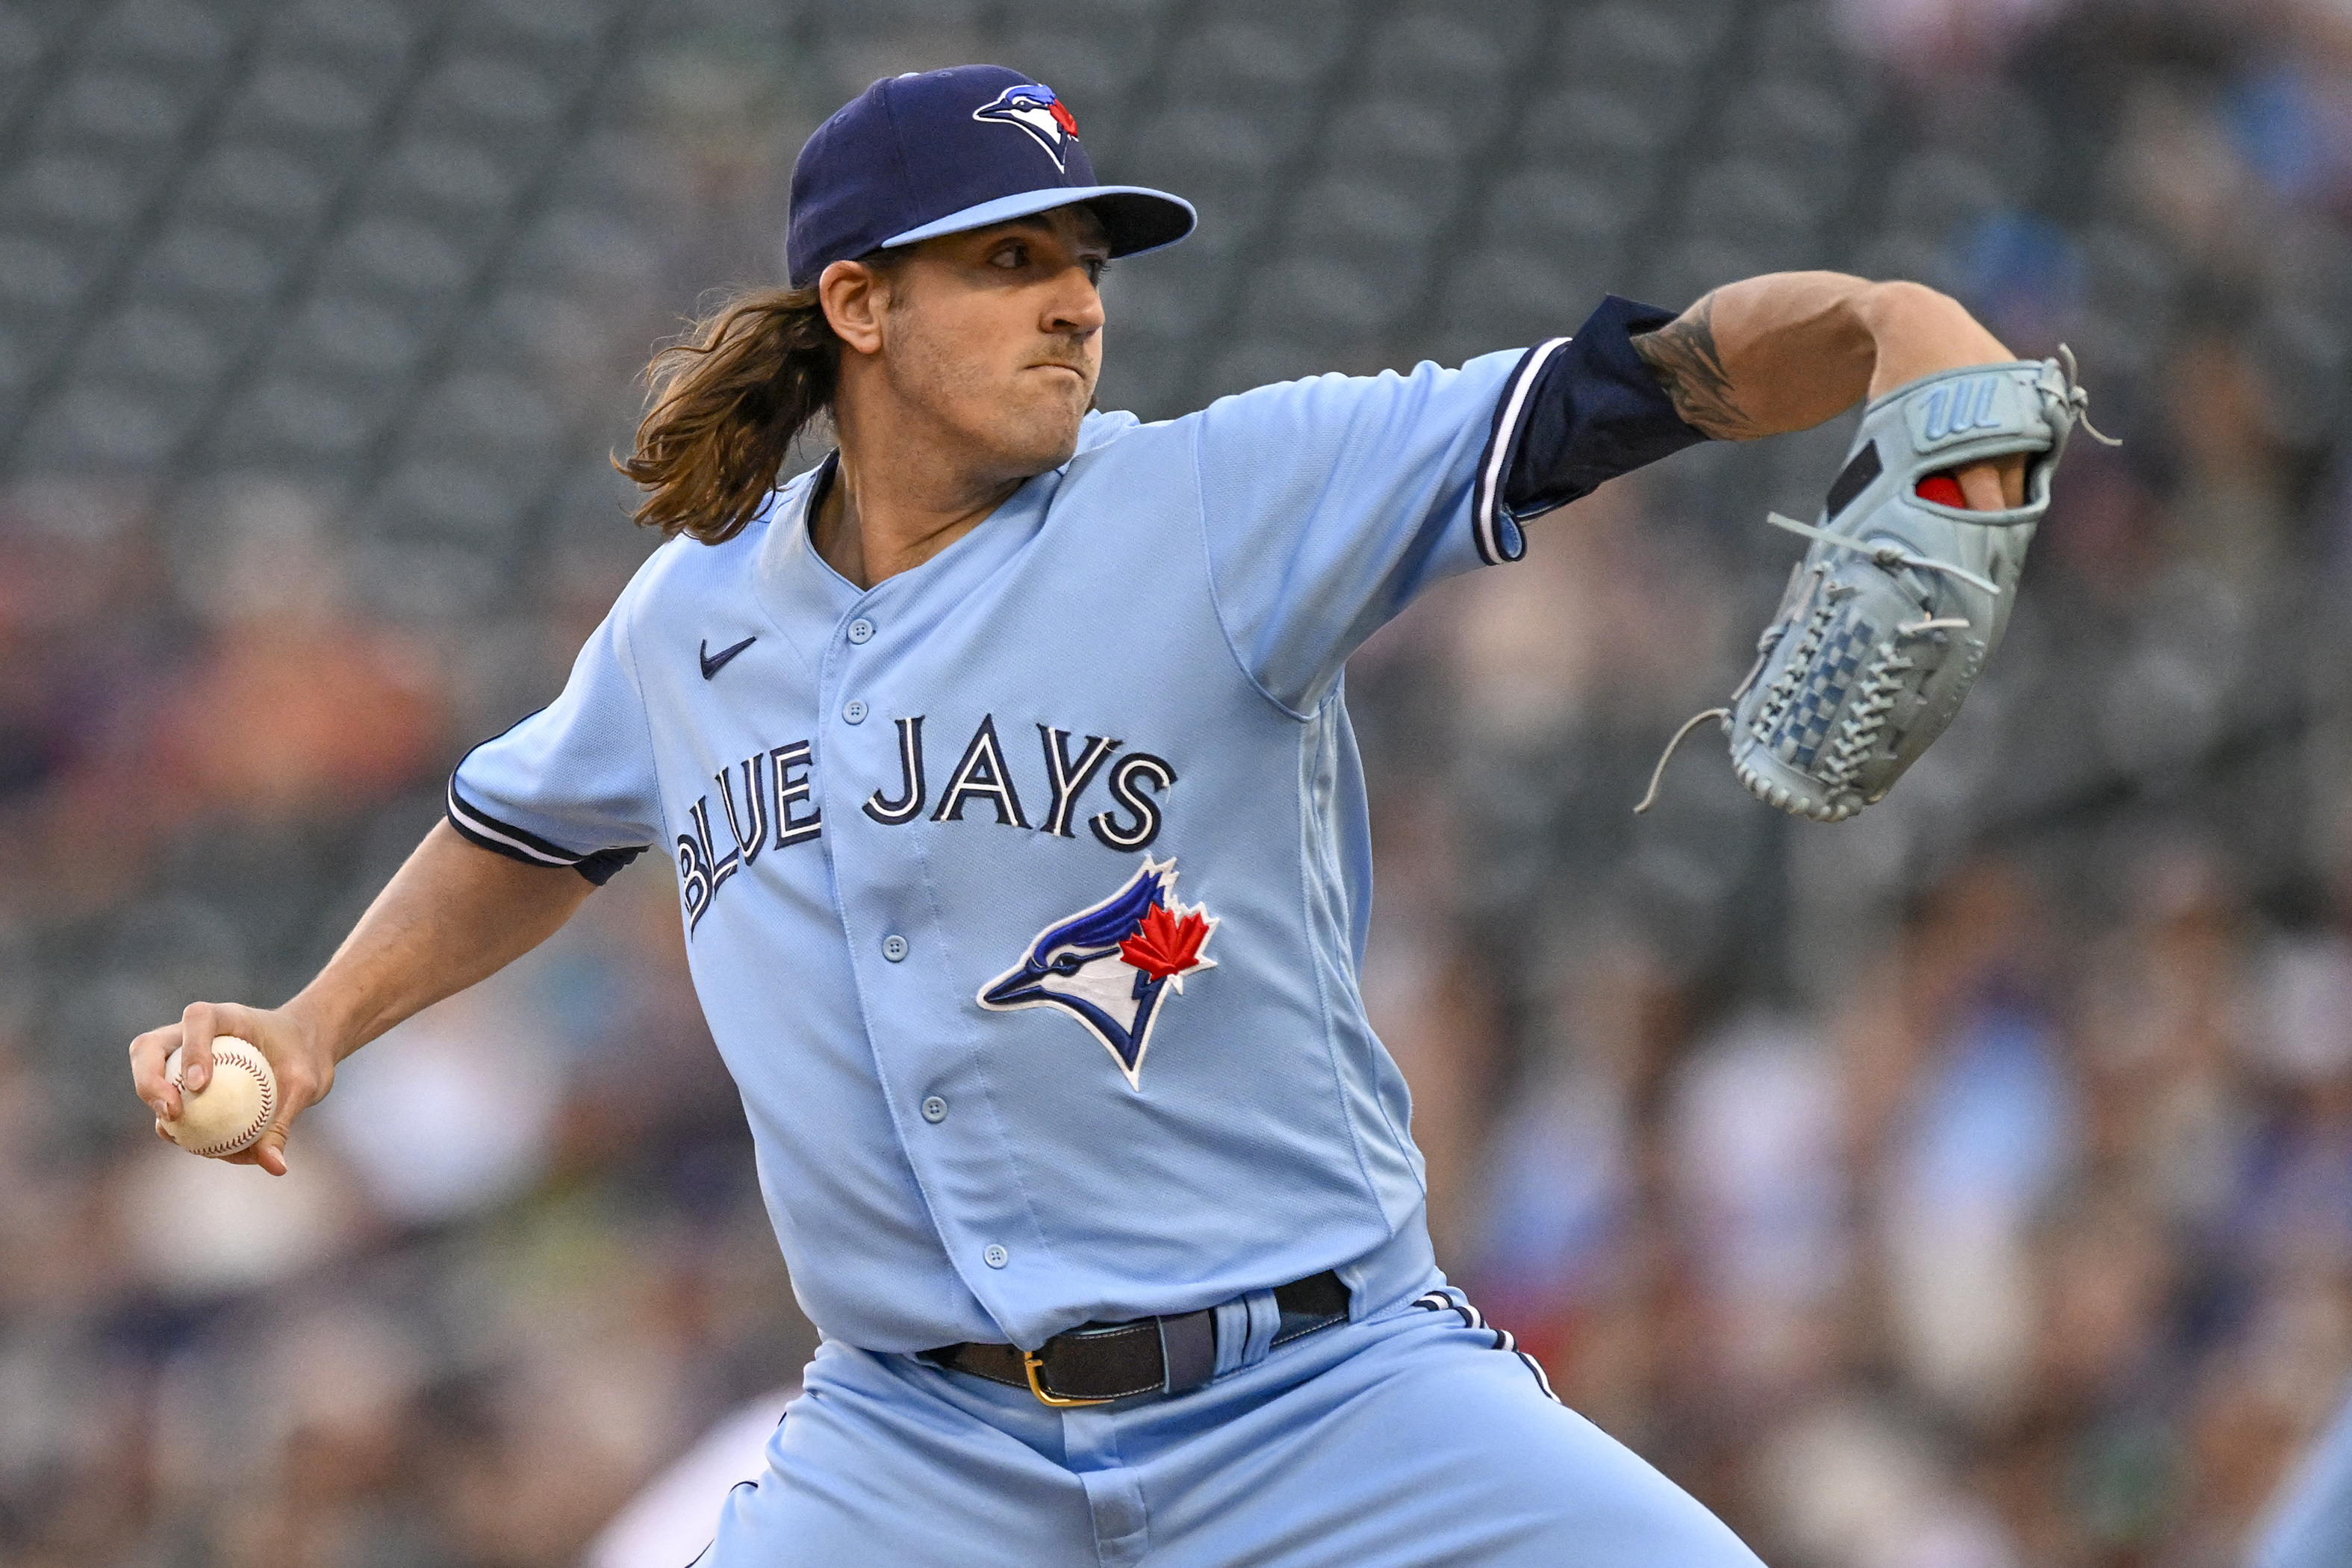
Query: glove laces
1889	555
2078	399
1722	716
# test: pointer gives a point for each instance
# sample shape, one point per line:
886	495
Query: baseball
232	1110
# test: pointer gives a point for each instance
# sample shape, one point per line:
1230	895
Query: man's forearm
454	914
1788	350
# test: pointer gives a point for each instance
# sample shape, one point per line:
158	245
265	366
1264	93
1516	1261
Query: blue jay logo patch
1033	106
1111	965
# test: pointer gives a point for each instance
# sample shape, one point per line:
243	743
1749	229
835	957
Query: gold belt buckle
1034	1363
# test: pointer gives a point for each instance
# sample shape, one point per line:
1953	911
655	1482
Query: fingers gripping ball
1891	615
233	1110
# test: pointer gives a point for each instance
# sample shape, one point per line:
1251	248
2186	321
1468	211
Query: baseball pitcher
1021	846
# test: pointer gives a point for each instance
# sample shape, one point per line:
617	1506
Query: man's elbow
1897	301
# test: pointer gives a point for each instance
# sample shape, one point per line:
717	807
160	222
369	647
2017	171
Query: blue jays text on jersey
772	786
1027	887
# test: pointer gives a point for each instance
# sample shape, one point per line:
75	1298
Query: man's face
996	336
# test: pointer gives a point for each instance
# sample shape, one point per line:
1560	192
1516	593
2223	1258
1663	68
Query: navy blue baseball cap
941	152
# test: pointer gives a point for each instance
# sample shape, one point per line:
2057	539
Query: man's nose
1077	306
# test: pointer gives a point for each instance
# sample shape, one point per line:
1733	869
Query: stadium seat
356	335
1253	66
1324	301
1761	198
124	108
496	413
108	423
1934	193
431	497
310	423
376	33
81	197
1602	132
1548	206
209	261
494	92
459	178
169	31
1412	138
149	342
327	109
1451	59
268	186
1808	130
1386	224
37	275
401	254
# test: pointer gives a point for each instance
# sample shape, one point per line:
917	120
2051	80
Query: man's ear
854	296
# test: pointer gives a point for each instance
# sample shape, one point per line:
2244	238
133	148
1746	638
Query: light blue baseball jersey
1025	890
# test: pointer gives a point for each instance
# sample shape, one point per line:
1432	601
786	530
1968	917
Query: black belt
1098	1363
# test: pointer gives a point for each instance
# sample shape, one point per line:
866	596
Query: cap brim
1134	218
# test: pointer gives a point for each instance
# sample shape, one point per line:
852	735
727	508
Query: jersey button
894	948
935	1110
996	1256
853	711
861	630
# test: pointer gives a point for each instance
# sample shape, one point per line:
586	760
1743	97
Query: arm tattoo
1682	356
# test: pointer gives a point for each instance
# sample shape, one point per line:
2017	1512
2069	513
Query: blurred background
1967	1186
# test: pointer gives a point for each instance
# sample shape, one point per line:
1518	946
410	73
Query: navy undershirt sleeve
1594	412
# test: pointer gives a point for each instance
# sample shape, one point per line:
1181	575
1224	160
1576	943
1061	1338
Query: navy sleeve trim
478	826
1497	531
1578	412
599	867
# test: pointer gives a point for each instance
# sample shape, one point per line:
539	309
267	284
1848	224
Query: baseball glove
1890	617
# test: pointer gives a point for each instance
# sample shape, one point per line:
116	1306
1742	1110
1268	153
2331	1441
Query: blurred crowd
1970	1185
1966	1186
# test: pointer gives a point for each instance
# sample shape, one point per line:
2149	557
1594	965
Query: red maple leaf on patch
1063	118
1166	946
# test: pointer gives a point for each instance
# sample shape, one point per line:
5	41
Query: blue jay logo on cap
1032	106
1110	965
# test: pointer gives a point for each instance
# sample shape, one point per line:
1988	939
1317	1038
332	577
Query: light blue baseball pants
1410	1437
2312	1526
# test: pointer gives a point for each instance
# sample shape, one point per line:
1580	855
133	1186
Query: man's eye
1010	257
1095	271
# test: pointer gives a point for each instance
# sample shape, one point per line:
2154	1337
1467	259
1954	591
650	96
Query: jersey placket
900	949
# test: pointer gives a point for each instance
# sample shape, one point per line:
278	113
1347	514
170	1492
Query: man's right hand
304	1065
452	915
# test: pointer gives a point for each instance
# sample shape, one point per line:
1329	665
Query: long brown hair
727	398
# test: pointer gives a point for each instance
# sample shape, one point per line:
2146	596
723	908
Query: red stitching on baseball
253	1061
